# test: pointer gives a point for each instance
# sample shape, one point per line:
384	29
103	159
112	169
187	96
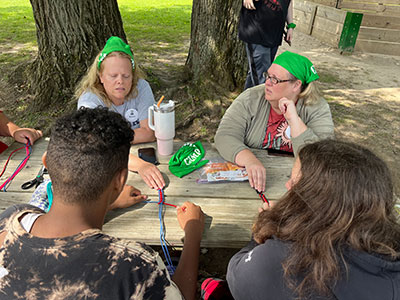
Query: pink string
21	166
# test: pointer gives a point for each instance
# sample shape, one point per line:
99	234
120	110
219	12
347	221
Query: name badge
132	115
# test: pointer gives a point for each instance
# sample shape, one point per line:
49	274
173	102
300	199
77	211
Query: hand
249	4
191	218
128	197
257	174
151	175
265	206
289	36
288	109
21	134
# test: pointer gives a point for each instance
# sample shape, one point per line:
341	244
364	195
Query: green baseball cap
299	66
187	159
115	44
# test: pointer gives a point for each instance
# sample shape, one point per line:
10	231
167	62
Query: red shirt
277	135
3	147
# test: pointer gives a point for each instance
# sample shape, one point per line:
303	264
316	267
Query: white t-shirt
133	110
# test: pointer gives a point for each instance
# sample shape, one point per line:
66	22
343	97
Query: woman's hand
128	197
289	111
149	172
22	134
249	4
255	169
151	175
257	174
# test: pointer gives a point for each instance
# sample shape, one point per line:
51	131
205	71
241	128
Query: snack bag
219	170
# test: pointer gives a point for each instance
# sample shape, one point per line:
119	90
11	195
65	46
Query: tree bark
216	55
69	35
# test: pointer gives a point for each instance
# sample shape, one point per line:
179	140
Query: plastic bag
219	170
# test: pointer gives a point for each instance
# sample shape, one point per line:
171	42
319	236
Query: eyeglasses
275	80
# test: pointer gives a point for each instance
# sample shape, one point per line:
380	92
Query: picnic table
230	208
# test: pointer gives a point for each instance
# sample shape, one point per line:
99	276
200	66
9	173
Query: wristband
291	25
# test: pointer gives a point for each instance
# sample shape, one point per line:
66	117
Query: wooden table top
230	208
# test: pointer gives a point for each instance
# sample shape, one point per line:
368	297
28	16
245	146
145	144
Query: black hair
86	150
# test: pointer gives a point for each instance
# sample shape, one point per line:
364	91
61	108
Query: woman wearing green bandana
283	114
115	81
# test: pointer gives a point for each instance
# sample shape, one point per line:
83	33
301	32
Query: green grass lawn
150	26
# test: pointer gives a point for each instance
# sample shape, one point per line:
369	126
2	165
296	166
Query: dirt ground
363	91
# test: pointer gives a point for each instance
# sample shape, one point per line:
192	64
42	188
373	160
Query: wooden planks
385	7
379	34
323	22
328	25
227	223
230	208
379	31
380	21
330	13
378	47
303	15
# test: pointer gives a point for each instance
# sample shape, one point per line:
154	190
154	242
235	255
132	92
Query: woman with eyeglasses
333	235
283	114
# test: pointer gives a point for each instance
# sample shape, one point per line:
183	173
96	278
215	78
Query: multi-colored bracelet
291	25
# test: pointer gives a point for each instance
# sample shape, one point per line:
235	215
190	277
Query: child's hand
191	218
128	197
265	206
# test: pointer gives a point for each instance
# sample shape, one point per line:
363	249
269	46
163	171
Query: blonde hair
91	81
310	92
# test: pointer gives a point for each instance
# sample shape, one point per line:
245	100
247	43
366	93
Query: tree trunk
69	35
216	54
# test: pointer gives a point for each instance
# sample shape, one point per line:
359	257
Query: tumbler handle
151	118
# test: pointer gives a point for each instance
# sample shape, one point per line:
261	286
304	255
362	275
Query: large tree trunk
69	35
216	54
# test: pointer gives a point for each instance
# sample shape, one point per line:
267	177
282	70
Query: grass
151	26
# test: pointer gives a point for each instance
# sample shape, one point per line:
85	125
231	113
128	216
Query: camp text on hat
115	44
297	65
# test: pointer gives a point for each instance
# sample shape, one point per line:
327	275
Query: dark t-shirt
264	25
89	265
256	272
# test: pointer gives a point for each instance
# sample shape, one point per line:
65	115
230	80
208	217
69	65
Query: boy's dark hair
86	149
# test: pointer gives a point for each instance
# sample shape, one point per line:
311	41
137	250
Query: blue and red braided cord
163	241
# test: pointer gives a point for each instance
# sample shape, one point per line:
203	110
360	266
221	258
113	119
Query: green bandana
187	159
115	44
299	66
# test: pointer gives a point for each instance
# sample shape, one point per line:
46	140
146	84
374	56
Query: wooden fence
379	31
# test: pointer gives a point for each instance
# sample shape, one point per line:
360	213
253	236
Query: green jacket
245	122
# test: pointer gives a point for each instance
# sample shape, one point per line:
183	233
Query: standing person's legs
259	59
273	53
